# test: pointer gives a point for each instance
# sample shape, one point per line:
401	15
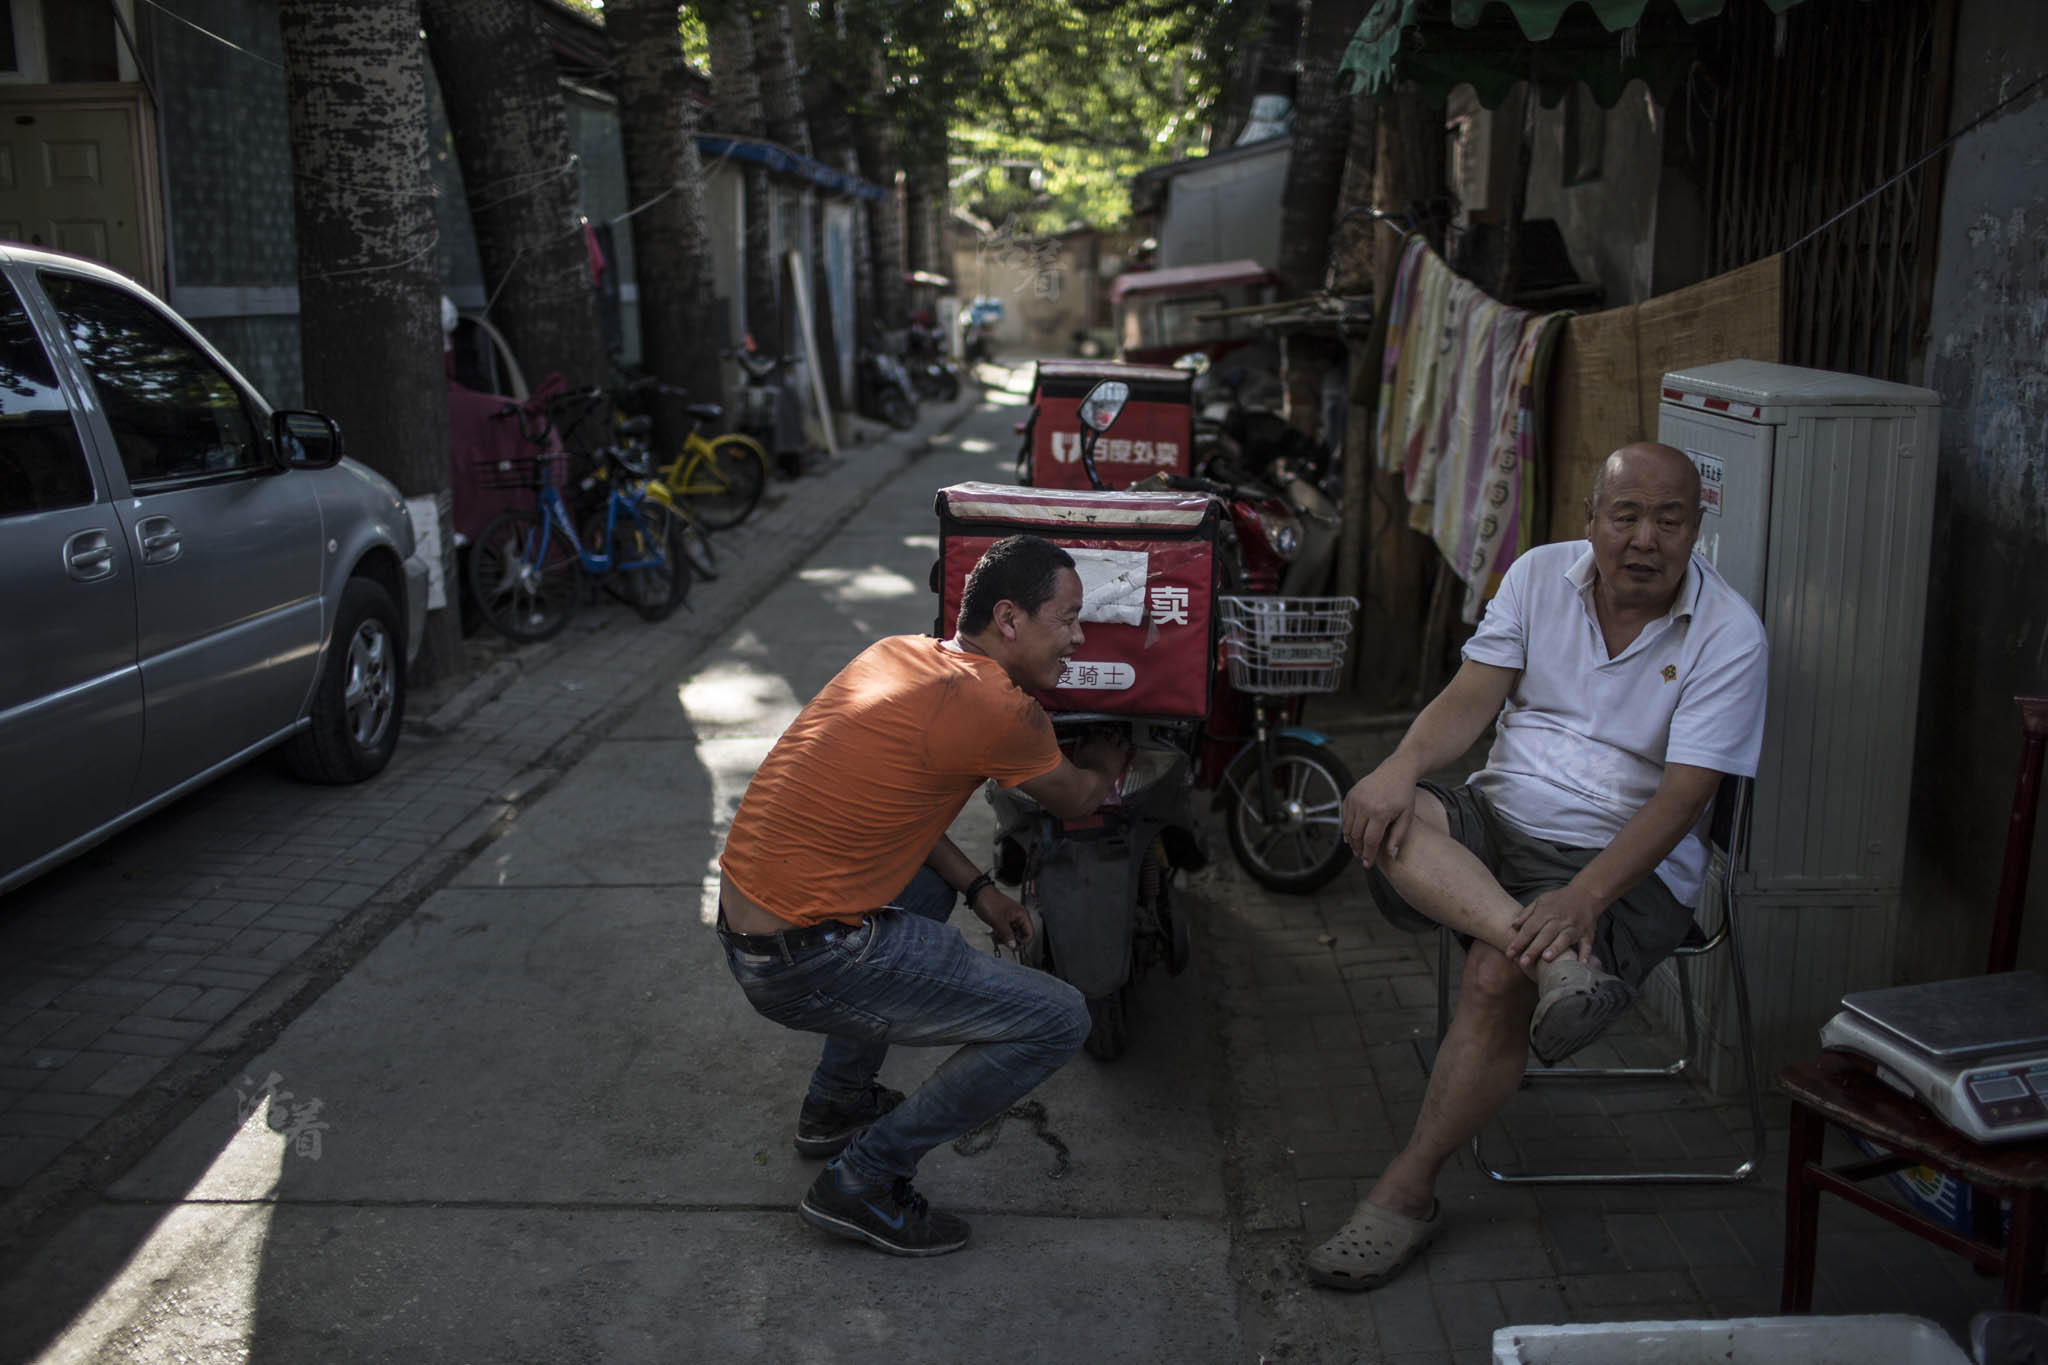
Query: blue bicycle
528	566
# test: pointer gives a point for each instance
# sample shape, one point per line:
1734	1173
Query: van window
42	463
175	414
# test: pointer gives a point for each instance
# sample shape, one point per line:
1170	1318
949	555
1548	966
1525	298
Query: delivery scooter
1100	888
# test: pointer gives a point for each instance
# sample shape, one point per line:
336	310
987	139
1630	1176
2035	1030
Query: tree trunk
736	93
1353	243
512	138
658	131
369	305
1308	205
782	115
927	206
782	104
1322	132
831	130
840	89
876	140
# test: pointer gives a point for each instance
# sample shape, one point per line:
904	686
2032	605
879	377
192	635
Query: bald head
1642	520
1646	461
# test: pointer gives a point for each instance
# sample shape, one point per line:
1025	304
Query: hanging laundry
1460	381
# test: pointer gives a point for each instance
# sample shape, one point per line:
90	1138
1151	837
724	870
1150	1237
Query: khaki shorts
1635	933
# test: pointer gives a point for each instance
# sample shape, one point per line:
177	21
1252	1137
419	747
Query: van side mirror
303	439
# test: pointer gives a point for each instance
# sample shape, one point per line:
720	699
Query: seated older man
1627	678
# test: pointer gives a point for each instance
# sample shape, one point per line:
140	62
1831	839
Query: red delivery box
1155	431
1147	563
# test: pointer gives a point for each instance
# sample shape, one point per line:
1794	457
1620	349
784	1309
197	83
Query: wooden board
1610	366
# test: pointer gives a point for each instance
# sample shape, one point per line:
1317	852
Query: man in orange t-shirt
838	878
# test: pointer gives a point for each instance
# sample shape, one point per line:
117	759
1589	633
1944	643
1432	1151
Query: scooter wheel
1173	922
1302	846
1109	1024
897	411
949	386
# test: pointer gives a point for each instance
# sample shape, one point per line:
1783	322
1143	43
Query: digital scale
1974	1050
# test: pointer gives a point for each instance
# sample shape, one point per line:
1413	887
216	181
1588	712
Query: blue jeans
905	977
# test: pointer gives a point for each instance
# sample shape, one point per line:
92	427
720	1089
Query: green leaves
1089	92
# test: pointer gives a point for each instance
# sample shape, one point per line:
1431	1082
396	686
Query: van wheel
359	703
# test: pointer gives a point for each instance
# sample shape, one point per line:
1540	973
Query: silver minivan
187	577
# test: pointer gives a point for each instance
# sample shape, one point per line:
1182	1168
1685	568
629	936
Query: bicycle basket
518	471
1286	644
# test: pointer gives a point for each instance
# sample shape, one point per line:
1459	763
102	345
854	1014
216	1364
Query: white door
68	182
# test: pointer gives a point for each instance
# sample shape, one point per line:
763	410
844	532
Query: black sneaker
823	1129
896	1220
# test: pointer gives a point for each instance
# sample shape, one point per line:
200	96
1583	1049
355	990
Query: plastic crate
1873	1339
1286	644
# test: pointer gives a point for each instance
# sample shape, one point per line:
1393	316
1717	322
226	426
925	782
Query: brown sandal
1372	1247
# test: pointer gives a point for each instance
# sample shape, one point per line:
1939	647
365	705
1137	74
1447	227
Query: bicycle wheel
725	482
524	574
697	549
654	588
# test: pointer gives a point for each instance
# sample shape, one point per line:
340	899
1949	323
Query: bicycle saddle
636	426
706	412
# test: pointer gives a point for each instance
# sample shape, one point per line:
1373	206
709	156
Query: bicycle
525	566
721	477
696	541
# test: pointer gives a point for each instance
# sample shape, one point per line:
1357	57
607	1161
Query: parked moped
1280	784
886	393
1101	887
932	371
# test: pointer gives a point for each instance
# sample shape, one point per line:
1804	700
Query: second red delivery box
1154	433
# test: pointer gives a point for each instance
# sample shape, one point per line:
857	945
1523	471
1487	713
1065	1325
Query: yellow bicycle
721	477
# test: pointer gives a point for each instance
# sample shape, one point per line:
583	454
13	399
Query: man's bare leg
1444	880
1486	1047
1477	1069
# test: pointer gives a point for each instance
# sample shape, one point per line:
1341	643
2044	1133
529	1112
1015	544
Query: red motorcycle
1280	784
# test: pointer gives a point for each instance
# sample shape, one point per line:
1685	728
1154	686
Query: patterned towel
1460	387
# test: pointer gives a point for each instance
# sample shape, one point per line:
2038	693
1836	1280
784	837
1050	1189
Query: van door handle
158	537
89	556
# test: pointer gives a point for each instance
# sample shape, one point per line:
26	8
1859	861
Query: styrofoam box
1873	1339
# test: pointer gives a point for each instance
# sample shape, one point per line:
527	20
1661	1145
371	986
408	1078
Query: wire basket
518	471
1286	644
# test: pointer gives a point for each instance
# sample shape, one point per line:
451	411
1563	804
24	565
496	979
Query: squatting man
1625	678
838	878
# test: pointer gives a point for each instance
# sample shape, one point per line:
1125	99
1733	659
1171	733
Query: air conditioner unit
1819	492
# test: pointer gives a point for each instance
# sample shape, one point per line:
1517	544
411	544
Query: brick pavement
1328	1016
132	979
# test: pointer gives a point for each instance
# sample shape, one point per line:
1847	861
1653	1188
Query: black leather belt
786	943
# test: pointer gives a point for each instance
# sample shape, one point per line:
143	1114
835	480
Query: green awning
1491	44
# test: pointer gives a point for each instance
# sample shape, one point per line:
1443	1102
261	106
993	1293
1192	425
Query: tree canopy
1047	107
1051	106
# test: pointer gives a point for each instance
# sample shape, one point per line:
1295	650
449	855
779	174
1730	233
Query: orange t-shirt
848	804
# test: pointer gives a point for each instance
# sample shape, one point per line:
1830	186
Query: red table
1836	1087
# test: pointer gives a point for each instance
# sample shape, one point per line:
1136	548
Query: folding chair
1727	834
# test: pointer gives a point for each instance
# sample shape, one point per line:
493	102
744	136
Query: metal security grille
1805	113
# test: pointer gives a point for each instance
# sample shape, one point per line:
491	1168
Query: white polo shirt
1583	739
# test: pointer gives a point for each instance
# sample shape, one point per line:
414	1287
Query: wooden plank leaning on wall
1606	381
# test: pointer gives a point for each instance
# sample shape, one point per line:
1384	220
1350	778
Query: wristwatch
976	887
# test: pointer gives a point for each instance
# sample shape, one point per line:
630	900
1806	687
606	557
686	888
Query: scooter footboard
1085	890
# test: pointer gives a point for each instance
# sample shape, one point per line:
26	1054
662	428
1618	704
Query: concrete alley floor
499	1100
